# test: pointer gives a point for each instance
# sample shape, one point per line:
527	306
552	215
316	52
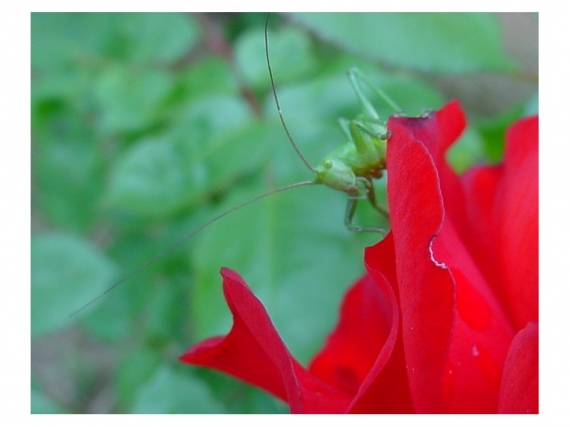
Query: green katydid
349	168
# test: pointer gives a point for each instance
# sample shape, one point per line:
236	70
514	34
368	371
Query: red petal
363	355
481	188
425	290
435	271
437	132
518	229
352	348
480	336
519	386
386	388
254	352
454	356
502	210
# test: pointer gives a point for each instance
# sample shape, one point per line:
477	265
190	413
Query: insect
350	168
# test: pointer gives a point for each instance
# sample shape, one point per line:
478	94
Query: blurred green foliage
145	126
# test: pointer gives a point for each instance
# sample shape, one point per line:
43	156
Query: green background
146	126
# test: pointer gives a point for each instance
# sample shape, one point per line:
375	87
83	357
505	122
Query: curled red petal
519	385
352	348
254	352
386	388
364	354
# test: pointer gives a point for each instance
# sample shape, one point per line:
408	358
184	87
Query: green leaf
150	301
113	318
135	369
68	169
169	392
494	131
150	179
130	99
215	145
50	91
235	153
467	152
61	40
209	76
412	95
240	397
435	42
163	37
67	272
289	52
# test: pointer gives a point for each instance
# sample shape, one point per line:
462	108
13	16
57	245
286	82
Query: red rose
446	318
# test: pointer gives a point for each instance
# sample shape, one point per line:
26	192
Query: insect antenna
235	208
277	100
188	237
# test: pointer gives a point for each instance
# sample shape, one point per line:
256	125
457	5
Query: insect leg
349	215
385	134
371	194
368	192
353	75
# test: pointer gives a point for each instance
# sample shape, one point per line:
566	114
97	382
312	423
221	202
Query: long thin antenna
189	236
277	100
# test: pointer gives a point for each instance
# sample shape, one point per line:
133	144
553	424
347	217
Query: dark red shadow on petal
519	385
254	352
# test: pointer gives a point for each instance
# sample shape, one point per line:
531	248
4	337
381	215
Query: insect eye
328	164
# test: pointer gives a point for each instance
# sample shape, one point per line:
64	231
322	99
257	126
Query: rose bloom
446	318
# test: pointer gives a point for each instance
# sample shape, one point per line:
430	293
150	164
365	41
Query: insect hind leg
354	74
